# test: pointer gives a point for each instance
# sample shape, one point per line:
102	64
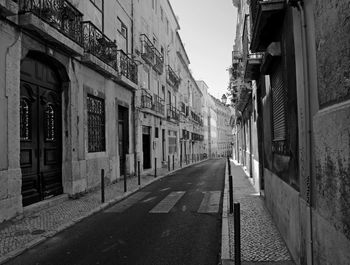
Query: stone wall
332	21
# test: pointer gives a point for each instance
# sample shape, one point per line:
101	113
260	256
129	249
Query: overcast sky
208	32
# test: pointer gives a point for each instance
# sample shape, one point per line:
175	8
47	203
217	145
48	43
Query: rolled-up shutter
279	104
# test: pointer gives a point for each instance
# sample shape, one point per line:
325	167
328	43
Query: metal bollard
138	173
229	165
168	163
125	186
237	232
102	185
155	167
230	192
173	163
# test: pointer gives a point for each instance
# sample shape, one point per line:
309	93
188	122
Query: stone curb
225	236
63	227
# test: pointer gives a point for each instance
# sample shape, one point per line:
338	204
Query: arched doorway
40	131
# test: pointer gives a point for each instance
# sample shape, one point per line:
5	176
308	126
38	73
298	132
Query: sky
207	29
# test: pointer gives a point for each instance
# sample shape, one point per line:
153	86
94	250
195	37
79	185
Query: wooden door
40	132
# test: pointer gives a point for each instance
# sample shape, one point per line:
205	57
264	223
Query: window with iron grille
279	111
96	124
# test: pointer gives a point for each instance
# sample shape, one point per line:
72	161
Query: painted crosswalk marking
210	202
168	202
127	203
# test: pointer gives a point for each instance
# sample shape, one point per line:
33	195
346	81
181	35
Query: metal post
230	193
102	185
138	173
173	163
168	162
237	233
229	165
155	167
125	187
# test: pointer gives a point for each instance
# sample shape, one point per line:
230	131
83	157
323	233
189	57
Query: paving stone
260	239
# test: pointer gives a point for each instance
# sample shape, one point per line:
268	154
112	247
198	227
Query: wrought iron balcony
158	104
99	45
146	99
196	117
172	113
8	8
159	61
266	14
147	50
127	66
172	77
60	14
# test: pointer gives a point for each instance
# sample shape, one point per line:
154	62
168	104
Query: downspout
299	5
135	120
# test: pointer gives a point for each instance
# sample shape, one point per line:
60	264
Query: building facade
293	55
91	88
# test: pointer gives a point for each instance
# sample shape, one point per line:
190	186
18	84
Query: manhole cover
21	232
38	232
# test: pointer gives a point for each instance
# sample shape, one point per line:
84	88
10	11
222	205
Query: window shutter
279	103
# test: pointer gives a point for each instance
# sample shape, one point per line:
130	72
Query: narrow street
175	220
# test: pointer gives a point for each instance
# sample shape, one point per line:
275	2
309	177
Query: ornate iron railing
146	99
60	14
147	49
196	118
127	66
96	43
158	104
173	113
159	61
172	78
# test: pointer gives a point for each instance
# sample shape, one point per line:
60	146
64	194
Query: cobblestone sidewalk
261	242
30	229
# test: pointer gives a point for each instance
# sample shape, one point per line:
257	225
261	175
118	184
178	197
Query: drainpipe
299	5
135	120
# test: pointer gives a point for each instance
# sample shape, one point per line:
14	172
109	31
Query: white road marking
210	202
128	202
168	202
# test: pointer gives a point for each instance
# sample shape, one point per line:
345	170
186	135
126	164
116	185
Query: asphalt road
174	221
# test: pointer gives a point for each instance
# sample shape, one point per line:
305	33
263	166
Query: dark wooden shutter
279	103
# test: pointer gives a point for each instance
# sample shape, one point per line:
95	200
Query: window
123	35
156	132
161	14
96	124
172	138
25	126
167	26
279	111
122	28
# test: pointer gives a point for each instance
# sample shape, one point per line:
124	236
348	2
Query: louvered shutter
279	103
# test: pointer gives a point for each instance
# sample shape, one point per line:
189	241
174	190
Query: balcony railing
147	49
196	118
159	61
172	78
158	104
60	14
146	99
96	43
173	113
127	66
